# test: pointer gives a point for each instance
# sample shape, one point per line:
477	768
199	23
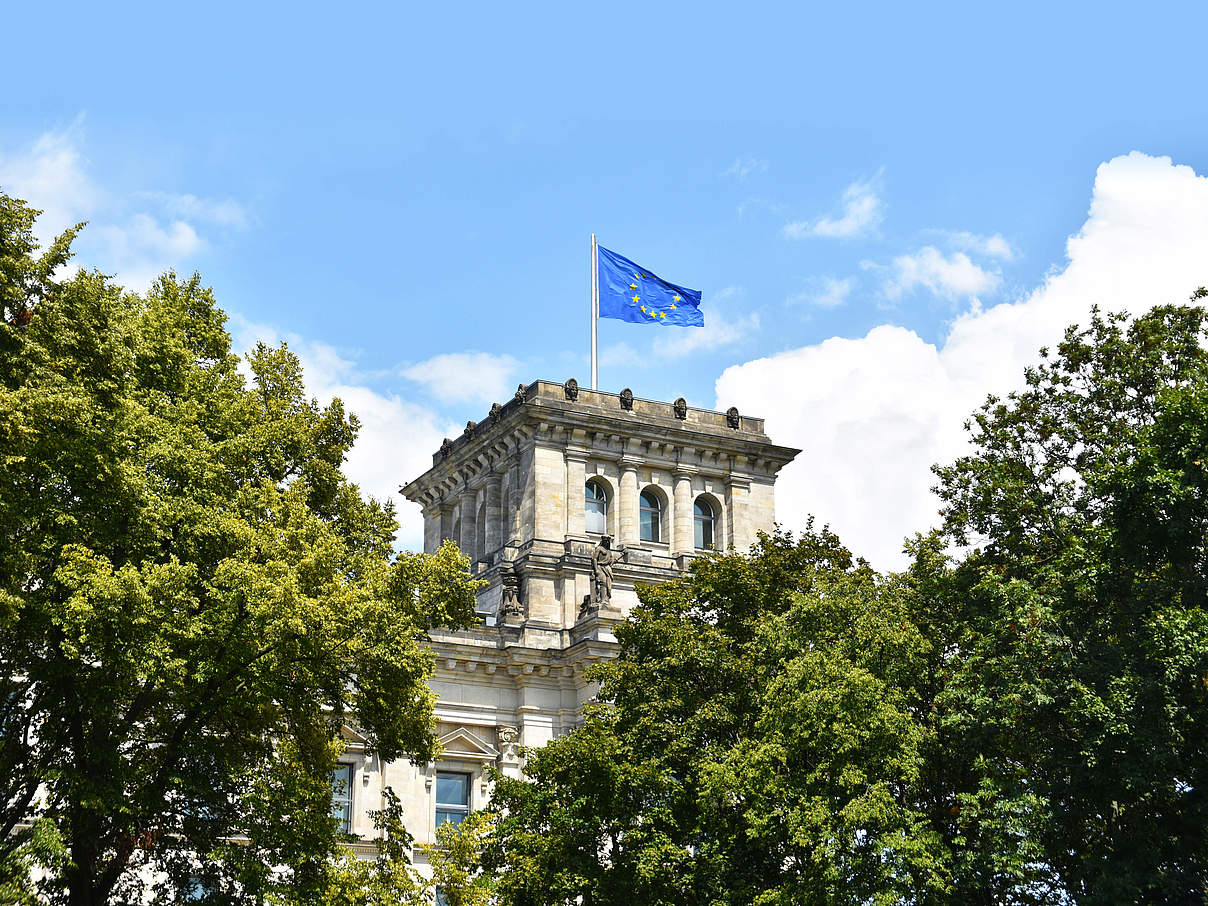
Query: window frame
700	522
656	514
603	501
344	798
451	808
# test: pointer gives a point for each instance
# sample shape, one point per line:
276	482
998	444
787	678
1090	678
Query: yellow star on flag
633	286
676	299
638	299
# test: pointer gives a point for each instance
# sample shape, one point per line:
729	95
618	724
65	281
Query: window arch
650	513
596	507
704	523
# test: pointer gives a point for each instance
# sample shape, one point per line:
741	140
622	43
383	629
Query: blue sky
406	195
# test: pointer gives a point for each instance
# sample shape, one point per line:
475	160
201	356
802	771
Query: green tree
1082	620
193	598
759	740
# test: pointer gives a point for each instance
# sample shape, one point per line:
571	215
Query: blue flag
632	293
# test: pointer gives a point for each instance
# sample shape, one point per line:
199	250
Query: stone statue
510	579
602	558
680	407
627	400
571	389
733	419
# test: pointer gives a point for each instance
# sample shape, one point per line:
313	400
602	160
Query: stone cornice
650	432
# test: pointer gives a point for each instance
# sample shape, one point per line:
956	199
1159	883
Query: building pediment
462	743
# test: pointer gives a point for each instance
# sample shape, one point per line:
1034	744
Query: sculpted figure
511	606
602	559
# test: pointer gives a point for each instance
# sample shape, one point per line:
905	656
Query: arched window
596	504
703	520
651	511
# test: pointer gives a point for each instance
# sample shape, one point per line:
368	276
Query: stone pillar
682	539
447	512
466	541
628	503
494	512
576	480
433	523
738	532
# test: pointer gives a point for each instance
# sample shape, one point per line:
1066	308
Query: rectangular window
452	797
341	797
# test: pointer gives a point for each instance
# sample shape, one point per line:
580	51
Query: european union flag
632	293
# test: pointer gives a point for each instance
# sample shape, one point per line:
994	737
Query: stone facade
512	492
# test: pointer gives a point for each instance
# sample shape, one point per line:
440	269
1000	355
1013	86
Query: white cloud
397	437
135	237
721	327
952	277
49	175
745	166
990	246
831	292
225	212
862	213
470	377
874	413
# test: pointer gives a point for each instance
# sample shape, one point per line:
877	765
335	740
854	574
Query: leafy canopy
193	597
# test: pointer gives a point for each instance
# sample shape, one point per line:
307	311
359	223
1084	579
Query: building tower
564	499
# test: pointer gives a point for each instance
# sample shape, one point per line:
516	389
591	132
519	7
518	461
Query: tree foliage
1084	629
1023	723
193	598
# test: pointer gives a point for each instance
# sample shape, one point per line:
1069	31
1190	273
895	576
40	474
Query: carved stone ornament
680	407
571	387
446	445
509	739
733	419
627	400
521	394
494	415
470	426
510	579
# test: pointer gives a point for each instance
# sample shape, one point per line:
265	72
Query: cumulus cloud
861	213
953	276
465	377
135	237
745	166
722	327
397	438
873	413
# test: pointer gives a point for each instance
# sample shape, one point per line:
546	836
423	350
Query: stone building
565	499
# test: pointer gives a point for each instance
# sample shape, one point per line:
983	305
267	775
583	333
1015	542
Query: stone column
737	529
628	502
466	541
494	514
447	512
433	513
576	479
682	540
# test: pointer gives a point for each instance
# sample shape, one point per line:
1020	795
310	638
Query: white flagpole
595	313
